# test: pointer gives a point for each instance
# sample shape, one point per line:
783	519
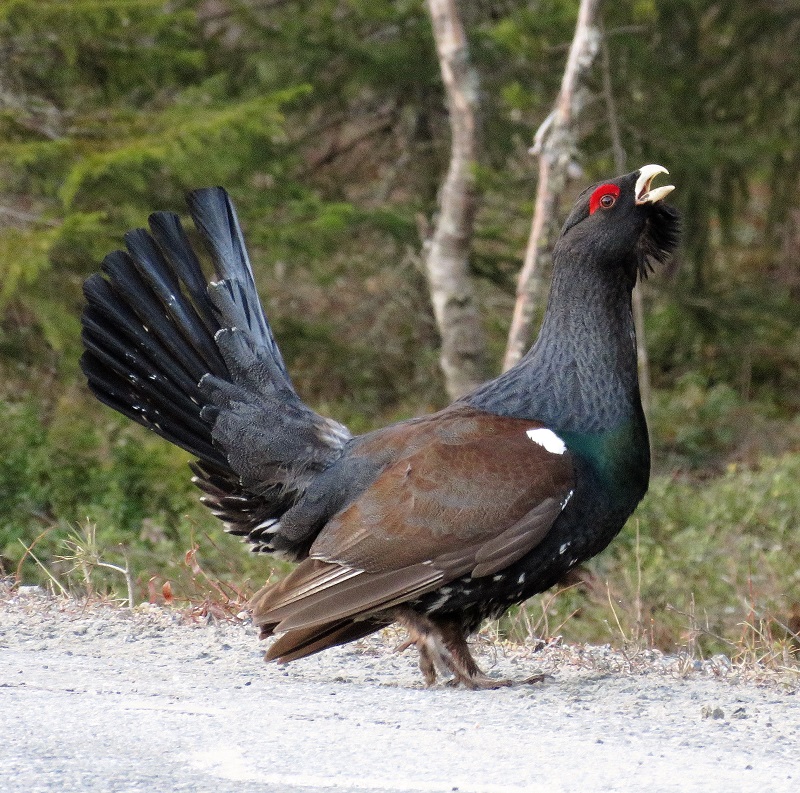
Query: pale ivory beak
644	195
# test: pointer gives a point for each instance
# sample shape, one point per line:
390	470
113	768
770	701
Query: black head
623	223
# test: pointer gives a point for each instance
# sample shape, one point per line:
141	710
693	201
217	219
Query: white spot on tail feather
269	526
548	439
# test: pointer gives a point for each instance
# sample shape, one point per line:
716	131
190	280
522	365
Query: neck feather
581	374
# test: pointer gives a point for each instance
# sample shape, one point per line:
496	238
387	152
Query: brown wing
465	492
465	478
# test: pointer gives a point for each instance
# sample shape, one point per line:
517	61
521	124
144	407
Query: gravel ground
100	698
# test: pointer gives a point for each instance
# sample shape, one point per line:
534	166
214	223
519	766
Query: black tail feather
171	237
244	515
215	217
101	359
148	330
146	407
155	270
153	315
197	363
108	316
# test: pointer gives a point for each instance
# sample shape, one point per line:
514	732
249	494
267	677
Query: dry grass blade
84	555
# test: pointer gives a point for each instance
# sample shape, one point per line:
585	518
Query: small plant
83	556
206	593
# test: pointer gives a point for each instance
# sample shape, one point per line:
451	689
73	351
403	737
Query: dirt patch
99	698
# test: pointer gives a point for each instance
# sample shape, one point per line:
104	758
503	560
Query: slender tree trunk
447	252
620	166
555	144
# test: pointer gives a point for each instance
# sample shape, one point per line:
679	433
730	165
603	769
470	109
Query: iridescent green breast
618	458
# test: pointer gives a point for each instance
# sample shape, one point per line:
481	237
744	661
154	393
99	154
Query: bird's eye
604	197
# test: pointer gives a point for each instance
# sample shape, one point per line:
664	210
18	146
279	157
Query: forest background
327	121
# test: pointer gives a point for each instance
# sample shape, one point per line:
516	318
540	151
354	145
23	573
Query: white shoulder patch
548	439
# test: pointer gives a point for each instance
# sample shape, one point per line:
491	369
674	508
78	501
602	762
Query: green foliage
25	252
714	424
54	475
110	48
743	335
116	108
721	548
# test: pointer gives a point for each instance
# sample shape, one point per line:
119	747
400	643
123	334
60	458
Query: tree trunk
463	351
555	144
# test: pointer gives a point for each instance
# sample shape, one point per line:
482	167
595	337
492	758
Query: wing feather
447	504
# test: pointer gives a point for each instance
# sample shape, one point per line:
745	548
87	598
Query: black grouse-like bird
437	522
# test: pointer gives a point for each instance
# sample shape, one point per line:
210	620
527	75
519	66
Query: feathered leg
443	648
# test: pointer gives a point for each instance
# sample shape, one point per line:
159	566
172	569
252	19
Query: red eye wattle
604	197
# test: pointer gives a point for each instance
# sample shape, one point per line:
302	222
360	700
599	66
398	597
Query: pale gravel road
103	699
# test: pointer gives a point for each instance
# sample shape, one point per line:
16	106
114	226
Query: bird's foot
443	651
480	682
403	646
536	678
433	656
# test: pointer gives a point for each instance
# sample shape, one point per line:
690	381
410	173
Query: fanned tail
197	363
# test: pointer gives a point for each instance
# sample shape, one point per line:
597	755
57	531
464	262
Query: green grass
77	480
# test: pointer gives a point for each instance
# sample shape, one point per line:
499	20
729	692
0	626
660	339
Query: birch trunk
463	350
555	143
